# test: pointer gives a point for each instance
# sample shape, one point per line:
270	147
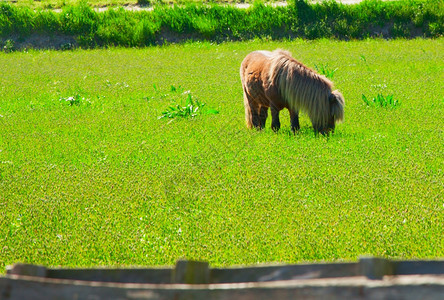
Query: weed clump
381	101
189	108
326	70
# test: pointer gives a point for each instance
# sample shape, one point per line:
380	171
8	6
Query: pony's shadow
304	131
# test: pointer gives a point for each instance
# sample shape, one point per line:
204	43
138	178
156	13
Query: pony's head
336	114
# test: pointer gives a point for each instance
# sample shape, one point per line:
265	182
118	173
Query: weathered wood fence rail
370	278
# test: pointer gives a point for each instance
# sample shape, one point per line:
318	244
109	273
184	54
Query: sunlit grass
106	182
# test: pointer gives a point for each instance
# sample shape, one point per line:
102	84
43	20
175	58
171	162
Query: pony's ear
337	104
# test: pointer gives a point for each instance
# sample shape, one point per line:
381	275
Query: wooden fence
370	278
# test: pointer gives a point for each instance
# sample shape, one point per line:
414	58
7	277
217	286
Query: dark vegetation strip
81	25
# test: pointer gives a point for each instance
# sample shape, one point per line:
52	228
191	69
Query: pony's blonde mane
302	88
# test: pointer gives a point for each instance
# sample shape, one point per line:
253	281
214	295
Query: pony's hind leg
294	120
275	123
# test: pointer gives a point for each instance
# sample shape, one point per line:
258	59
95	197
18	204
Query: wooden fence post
375	267
191	272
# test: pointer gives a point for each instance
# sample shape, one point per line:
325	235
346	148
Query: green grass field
105	182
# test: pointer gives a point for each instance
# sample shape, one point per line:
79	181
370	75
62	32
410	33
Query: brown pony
276	80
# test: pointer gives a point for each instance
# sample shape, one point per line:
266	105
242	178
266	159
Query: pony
276	80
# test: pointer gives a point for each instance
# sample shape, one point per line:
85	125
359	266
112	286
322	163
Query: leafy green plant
364	60
325	70
9	46
74	100
381	101
190	109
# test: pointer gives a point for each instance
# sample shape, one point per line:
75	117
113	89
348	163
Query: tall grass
120	27
105	182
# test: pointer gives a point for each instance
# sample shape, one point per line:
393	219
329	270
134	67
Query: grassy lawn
101	180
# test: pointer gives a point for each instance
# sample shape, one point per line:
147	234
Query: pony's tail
248	115
337	104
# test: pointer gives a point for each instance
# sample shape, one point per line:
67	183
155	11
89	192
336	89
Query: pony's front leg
255	116
294	119
263	114
275	123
